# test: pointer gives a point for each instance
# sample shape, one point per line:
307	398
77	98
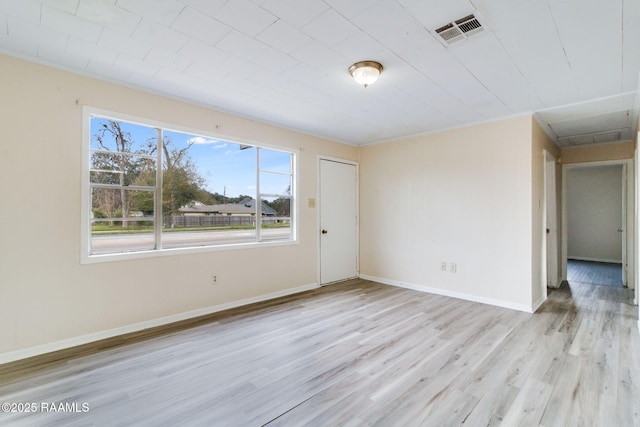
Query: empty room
319	212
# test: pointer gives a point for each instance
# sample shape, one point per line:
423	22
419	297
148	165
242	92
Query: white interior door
338	221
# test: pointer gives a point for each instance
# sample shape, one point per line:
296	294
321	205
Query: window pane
118	136
273	183
276	219
118	169
121	221
275	161
208	225
208	186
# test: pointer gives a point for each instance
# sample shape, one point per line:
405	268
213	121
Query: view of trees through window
155	188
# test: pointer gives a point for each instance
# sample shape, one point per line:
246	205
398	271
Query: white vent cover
458	30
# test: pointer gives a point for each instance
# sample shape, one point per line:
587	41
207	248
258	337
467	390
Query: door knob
620	230
324	231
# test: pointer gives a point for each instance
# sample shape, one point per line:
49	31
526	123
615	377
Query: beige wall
462	196
595	153
46	295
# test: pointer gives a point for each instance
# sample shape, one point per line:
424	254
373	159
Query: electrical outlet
214	279
443	266
453	267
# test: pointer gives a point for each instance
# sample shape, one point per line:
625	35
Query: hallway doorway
598	219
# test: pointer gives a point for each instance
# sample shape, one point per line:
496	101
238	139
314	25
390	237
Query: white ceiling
575	63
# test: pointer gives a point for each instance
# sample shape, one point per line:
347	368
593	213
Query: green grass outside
137	229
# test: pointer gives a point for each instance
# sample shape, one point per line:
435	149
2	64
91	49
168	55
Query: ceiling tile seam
428	104
66	48
472	74
184	6
163	67
249	60
72	16
148	47
75	11
38	46
267	46
267	27
186	42
96	44
361	11
230	29
362	32
515	64
199	9
133	31
312	38
564	50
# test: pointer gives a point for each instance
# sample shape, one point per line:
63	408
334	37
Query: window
151	189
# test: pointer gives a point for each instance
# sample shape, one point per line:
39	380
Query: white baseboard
610	261
538	304
13	356
452	294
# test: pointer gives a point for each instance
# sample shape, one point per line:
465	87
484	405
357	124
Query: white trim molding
459	295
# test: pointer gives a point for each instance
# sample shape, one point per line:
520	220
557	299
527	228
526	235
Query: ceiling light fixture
365	72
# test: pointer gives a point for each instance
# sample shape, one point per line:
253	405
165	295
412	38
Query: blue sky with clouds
222	164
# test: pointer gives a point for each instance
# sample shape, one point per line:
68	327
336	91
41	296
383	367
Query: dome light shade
365	72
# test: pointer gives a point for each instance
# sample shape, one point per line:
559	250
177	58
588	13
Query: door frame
550	207
322	158
628	253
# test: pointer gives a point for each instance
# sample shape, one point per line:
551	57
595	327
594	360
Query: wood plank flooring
361	353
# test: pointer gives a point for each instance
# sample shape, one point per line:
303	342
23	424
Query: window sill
128	256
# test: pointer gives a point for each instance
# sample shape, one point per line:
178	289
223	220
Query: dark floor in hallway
594	273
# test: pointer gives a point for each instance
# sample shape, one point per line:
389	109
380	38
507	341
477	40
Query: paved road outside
116	243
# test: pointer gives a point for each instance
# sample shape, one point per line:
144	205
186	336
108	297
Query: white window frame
85	258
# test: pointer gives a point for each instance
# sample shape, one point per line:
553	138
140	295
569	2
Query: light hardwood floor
360	353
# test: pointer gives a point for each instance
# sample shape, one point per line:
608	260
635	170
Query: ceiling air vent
459	30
